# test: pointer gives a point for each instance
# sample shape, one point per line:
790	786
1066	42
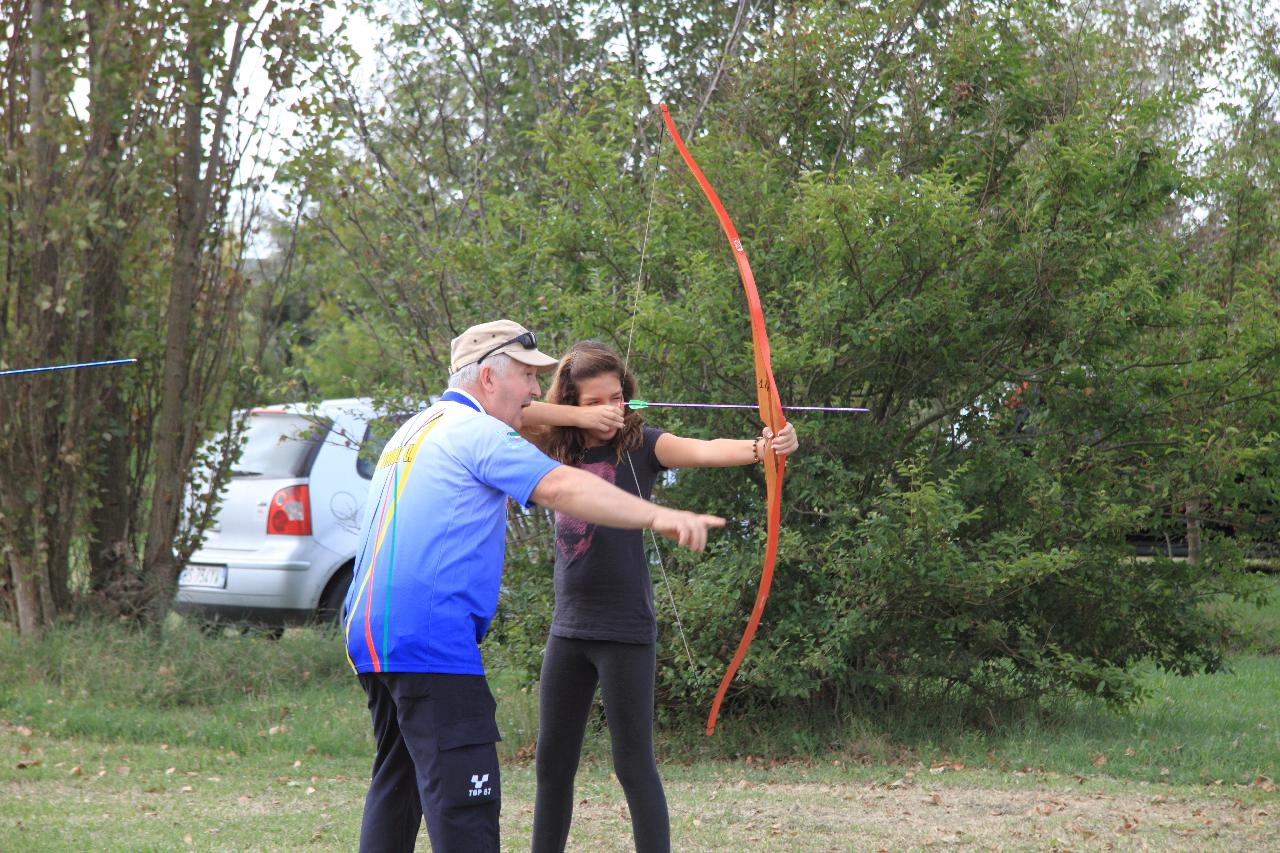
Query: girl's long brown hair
587	360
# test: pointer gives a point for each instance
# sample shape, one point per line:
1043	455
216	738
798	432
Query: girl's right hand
600	418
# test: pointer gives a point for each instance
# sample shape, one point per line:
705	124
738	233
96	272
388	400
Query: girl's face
604	389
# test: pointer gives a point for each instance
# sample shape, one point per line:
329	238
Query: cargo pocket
468	758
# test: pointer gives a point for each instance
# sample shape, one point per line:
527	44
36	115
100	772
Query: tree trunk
110	520
171	425
1193	532
26	597
32	583
195	355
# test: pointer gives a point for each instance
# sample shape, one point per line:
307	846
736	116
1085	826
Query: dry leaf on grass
944	766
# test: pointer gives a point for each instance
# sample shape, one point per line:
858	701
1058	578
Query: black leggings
570	671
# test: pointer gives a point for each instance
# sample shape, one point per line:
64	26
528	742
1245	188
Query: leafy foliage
978	220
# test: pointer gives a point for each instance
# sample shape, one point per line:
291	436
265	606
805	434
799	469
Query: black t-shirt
603	591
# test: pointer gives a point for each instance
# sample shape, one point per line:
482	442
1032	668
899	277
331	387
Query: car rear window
279	444
376	436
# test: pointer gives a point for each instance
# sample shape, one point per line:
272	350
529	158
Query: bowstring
644	245
663	571
626	366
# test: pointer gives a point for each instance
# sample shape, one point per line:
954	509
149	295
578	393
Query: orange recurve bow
770	414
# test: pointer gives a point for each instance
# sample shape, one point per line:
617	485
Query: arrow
645	404
19	370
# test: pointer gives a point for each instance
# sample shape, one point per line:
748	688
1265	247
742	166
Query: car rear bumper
277	586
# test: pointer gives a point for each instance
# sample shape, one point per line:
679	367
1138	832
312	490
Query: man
426	587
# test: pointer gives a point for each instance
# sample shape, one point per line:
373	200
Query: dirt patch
920	816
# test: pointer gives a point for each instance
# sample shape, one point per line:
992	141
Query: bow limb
770	413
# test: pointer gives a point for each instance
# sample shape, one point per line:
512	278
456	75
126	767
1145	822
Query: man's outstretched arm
586	496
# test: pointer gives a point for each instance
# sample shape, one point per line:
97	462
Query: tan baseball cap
500	336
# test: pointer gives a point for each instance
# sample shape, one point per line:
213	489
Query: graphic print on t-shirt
573	535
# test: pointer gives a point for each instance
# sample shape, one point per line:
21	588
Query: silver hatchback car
282	542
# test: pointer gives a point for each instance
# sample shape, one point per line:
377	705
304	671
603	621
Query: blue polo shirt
433	539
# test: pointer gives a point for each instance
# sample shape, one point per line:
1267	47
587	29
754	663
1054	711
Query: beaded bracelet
755	454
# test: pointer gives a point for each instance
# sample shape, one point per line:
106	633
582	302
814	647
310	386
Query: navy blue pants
436	758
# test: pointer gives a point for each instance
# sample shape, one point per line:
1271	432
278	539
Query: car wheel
334	594
211	627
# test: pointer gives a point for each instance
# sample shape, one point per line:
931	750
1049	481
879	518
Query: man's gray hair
469	375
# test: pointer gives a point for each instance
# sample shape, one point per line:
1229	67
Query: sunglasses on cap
524	339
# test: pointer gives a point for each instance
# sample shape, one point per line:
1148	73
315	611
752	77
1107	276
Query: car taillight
290	512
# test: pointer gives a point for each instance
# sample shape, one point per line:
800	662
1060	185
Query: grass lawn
79	794
111	740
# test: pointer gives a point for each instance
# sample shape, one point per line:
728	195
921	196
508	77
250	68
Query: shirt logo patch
513	438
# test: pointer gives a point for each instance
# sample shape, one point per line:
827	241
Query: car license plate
214	576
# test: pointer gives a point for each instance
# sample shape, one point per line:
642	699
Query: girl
604	630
